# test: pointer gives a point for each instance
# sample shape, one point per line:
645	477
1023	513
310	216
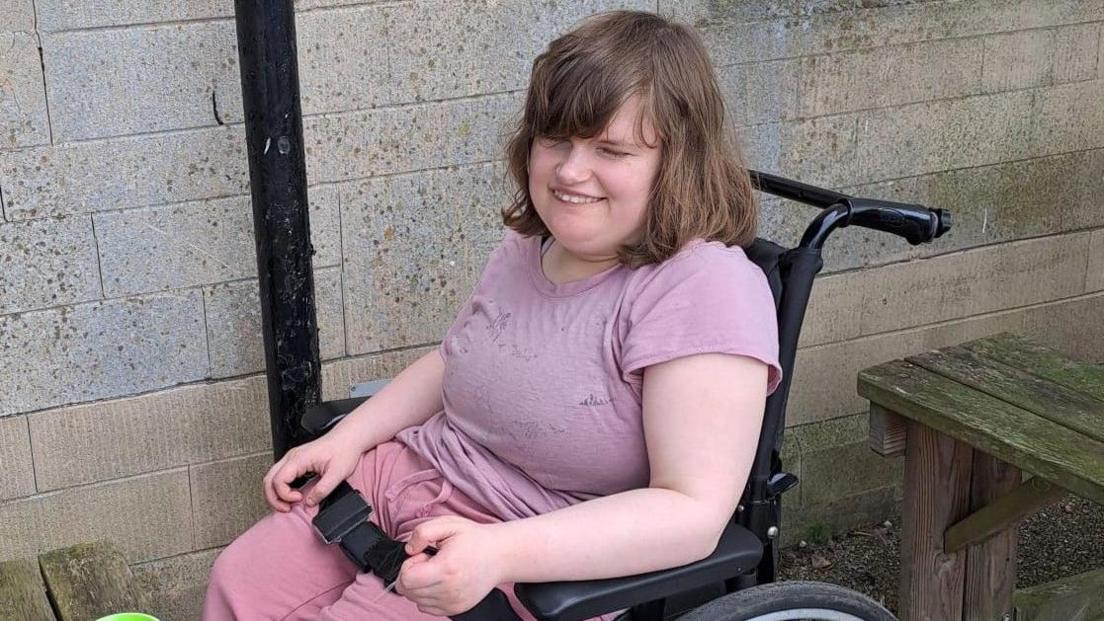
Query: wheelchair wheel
791	601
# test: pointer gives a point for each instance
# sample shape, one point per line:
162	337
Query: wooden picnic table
972	421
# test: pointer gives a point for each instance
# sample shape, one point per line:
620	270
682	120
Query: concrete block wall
132	403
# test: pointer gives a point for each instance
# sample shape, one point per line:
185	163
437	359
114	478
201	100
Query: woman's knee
229	565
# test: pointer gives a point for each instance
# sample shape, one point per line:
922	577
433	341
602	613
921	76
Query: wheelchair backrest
790	273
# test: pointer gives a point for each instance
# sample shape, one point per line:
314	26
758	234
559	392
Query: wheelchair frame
748	553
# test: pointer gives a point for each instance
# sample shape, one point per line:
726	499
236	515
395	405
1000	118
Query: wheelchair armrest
738	551
319	418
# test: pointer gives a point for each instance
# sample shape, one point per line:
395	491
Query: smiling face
593	193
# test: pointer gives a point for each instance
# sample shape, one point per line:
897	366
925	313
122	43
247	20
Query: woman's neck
560	266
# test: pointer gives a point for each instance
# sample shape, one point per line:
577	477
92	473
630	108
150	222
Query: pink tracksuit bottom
281	570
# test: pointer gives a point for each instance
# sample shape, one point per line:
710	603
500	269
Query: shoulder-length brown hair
702	187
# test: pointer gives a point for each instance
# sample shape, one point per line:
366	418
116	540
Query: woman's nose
573	168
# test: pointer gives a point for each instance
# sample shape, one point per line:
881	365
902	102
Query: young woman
593	411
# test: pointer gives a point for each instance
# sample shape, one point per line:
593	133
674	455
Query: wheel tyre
780	601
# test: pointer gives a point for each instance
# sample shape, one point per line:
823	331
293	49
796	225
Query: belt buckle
341	516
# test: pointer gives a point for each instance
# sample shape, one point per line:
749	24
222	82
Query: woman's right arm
410	399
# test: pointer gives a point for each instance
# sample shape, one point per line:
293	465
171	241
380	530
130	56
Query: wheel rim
797	614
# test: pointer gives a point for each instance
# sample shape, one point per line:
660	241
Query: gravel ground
1058	541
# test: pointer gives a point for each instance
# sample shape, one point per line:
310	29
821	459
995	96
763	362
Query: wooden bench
972	420
78	583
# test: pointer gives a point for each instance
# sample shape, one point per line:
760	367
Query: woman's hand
330	457
468	564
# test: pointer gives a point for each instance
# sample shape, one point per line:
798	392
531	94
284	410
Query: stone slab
833	314
731	39
825	375
58	15
762	145
116	82
233	312
943	135
1031	58
344	59
824	151
128	172
187	425
407	274
845	471
176	246
146	517
1073	327
758	93
840	514
1019	60
325	225
197	243
997	203
828	434
973	282
1068	118
17	15
48	262
338	377
15	458
24	118
1077	53
367	143
1094	280
445	49
331	313
100	350
176	585
227	498
890	76
754	10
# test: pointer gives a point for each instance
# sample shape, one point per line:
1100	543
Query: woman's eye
611	152
548	141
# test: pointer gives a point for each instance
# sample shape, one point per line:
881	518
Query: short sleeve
708	299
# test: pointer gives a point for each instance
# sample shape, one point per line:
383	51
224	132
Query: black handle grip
915	223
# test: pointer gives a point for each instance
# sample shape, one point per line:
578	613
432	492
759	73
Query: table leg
991	564
937	494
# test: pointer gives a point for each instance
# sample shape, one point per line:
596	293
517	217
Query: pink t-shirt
542	386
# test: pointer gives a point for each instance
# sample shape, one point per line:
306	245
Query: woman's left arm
702	416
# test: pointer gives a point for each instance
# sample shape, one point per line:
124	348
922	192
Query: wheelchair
737	582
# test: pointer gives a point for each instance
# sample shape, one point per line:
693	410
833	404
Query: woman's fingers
291	470
326	484
270	492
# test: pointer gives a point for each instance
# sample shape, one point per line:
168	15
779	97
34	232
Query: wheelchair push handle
915	223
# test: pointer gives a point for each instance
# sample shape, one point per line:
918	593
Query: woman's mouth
575	199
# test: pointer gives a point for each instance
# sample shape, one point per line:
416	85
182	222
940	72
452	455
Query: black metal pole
278	181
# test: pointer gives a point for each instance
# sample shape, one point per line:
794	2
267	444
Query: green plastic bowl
129	616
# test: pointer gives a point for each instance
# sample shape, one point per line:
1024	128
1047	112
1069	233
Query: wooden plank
888	432
1012	434
1024	354
22	593
1004	512
990	564
937	492
1052	401
1076	598
90	580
